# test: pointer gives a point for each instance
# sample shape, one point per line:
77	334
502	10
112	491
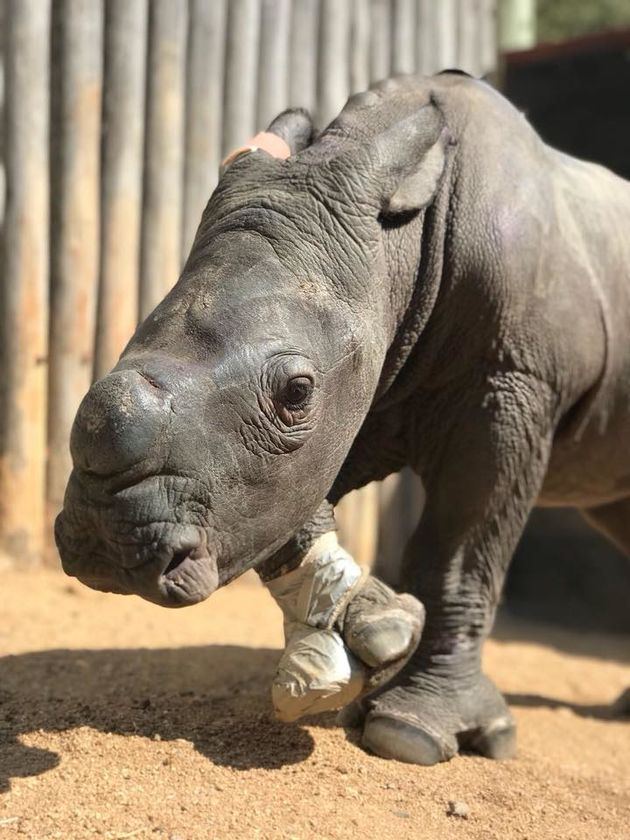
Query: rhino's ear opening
295	127
412	159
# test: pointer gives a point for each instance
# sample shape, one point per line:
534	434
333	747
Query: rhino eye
297	391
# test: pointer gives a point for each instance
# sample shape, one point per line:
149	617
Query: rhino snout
121	422
170	565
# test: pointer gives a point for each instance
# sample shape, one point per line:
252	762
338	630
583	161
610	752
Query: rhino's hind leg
613	520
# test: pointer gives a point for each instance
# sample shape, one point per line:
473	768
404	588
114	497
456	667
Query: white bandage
317	672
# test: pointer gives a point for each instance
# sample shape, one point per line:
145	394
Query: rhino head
221	430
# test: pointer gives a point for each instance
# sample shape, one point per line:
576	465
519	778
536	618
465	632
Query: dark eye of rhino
297	391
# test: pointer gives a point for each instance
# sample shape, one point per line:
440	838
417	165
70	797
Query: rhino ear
418	189
412	156
295	127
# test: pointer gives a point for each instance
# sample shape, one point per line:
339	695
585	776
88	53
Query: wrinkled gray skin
427	284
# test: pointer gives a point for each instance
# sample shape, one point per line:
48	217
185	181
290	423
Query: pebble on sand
458	809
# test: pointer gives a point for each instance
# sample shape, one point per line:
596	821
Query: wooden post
76	135
360	46
24	282
357	518
445	34
204	106
273	75
303	54
381	43
401	502
241	70
468	22
403	36
121	199
488	37
425	38
334	68
163	175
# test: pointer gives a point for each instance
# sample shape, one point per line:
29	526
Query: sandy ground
119	719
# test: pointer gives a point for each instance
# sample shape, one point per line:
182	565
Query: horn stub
295	127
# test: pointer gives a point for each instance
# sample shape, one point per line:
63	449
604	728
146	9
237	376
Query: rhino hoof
391	737
423	722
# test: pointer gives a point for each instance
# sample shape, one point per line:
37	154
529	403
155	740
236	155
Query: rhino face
210	443
223	427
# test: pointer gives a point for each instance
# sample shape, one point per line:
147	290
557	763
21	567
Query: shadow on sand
215	697
616	711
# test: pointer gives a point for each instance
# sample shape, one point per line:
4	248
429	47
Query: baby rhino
424	284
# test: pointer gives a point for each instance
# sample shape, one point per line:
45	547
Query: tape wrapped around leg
345	632
316	673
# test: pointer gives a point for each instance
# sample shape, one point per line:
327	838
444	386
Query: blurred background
114	116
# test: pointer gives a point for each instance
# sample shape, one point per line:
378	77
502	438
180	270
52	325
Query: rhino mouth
190	577
164	561
156	538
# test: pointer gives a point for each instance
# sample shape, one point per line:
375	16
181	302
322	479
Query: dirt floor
119	719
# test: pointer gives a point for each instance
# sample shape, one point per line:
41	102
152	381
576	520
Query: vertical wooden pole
334	68
360	46
303	54
24	282
424	37
468	22
488	30
77	77
121	198
403	36
204	106
401	502
381	43
163	153
357	518
273	66
241	71
445	34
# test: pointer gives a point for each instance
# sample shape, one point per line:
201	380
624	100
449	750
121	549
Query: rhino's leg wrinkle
478	499
613	520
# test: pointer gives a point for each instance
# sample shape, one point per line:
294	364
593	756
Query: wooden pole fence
24	282
161	248
204	109
77	50
121	178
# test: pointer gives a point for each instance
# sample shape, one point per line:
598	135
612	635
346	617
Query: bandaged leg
346	633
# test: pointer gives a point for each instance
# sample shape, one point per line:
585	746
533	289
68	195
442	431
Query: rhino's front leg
346	632
478	498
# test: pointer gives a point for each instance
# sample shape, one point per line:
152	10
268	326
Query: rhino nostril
176	561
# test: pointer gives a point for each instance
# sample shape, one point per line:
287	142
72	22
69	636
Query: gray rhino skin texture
425	284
